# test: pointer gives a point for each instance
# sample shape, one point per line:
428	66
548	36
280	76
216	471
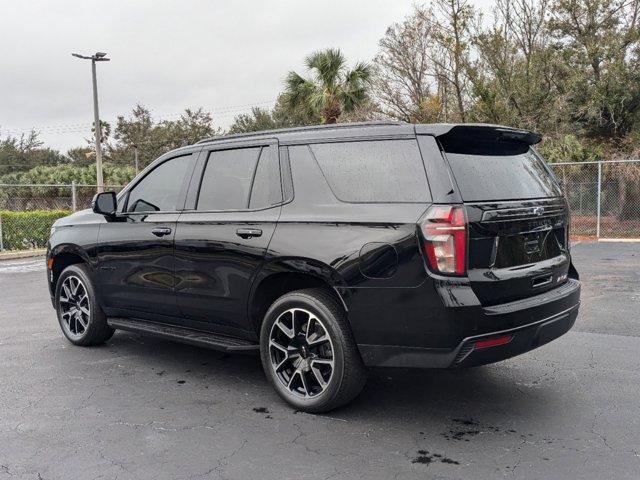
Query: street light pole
135	157
97	126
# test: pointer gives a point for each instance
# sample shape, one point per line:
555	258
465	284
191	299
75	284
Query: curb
620	240
22	254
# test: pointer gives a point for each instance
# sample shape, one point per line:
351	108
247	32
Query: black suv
329	249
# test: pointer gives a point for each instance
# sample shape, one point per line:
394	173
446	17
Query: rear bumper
523	340
547	317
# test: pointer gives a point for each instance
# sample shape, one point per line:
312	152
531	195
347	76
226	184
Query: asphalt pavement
139	407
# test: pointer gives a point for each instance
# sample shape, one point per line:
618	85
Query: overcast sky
223	56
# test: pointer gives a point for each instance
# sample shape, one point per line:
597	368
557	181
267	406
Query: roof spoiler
479	129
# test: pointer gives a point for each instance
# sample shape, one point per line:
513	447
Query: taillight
445	232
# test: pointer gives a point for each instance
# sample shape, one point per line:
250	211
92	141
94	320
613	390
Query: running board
184	335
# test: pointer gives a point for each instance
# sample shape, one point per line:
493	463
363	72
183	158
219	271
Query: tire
308	352
81	319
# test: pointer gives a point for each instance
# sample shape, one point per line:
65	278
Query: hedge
29	229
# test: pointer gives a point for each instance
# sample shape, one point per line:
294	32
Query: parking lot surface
139	407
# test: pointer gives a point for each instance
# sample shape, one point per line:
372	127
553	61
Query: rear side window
266	190
374	171
159	191
227	179
498	170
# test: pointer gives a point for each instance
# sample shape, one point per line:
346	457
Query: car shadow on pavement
402	395
460	393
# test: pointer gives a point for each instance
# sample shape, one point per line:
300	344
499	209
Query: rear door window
498	170
227	179
384	171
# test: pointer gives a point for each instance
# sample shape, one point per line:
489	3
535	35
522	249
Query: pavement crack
299	440
154	425
224	462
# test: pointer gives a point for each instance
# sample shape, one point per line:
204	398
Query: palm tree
331	90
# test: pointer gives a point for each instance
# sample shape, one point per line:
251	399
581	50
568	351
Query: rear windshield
498	170
374	171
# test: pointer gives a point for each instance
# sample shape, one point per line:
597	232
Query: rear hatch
517	217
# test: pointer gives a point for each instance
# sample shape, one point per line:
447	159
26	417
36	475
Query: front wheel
308	352
81	319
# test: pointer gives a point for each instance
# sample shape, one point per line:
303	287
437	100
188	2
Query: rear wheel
308	351
81	319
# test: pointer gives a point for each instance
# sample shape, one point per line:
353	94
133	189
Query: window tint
227	179
493	170
374	171
159	191
266	189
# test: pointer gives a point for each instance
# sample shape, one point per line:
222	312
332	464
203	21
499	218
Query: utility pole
135	157
97	126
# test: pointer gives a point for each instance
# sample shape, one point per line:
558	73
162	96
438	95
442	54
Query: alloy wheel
301	352
74	306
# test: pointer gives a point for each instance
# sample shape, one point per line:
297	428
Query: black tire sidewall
94	308
318	308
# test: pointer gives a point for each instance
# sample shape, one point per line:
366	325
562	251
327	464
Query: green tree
569	148
282	115
599	40
105	133
81	156
404	74
152	139
65	174
18	154
258	119
455	22
331	90
422	69
191	127
518	78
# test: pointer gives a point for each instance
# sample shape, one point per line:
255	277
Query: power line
80	127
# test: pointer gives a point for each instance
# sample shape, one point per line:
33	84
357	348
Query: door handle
161	231
248	232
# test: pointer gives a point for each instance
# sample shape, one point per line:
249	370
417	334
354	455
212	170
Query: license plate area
527	248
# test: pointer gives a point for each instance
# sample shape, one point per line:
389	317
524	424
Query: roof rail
301	129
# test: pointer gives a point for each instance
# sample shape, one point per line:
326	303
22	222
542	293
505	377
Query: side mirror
105	204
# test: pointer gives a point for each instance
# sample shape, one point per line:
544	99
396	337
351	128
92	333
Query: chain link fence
28	211
604	199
